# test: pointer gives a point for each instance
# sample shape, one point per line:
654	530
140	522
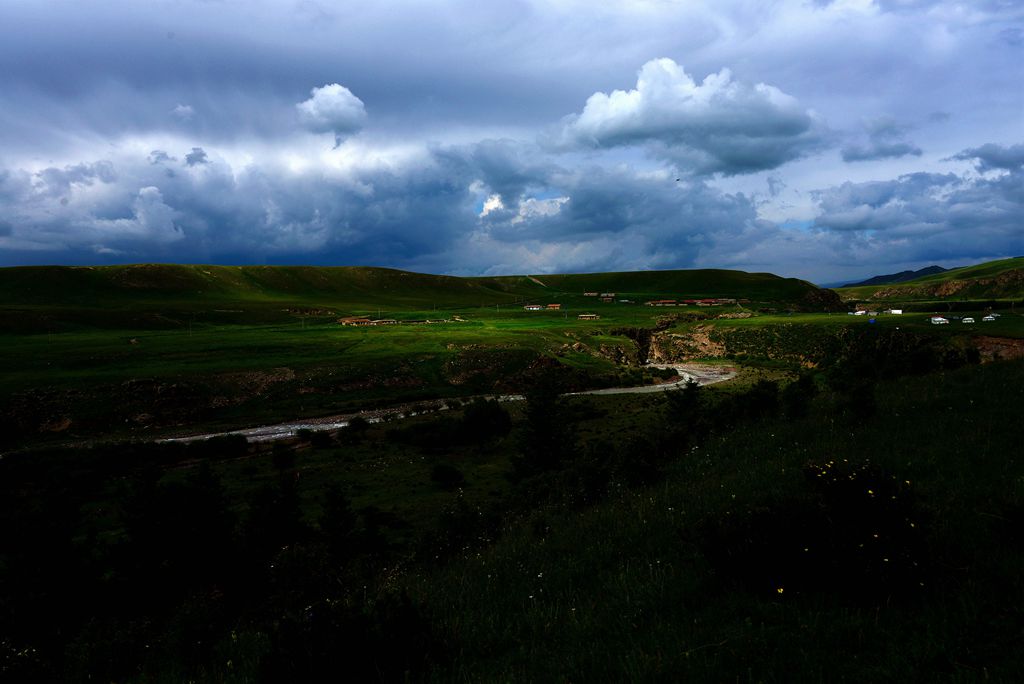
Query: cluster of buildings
864	312
696	302
542	307
364	321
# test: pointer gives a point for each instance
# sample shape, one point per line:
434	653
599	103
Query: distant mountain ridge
901	277
999	279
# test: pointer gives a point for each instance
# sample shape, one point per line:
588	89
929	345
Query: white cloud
492	203
152	220
532	208
332	109
717	126
183	112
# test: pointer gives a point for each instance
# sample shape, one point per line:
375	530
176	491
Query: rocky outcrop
700	343
998	348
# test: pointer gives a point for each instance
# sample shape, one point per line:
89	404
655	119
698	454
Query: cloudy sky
823	140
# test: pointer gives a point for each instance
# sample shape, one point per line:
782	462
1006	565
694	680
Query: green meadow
143	351
845	509
746	535
138	350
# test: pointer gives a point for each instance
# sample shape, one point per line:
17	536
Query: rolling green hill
1001	279
688	283
256	284
145	296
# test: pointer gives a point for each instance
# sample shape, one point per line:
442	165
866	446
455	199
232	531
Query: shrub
797	396
446	476
485	420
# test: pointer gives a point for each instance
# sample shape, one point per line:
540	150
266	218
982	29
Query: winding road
702	374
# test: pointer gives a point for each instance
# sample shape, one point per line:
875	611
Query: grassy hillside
834	533
162	296
257	284
789	550
901	277
1001	279
689	283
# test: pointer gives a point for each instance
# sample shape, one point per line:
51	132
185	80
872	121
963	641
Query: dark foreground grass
842	541
880	548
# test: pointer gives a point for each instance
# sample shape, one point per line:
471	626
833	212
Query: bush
484	420
283	456
355	432
447	476
321	440
797	396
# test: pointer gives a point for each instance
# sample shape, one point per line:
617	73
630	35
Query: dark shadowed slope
901	277
1000	279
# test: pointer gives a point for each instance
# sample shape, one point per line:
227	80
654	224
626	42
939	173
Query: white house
894	311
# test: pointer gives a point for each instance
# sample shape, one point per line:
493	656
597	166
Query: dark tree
797	396
546	438
485	420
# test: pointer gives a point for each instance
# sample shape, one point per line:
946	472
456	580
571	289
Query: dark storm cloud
506	167
885	140
425	213
719	125
102	103
196	156
252	213
227	71
160	157
56	182
933	215
990	157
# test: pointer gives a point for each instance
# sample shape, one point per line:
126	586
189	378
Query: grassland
839	545
749	532
126	350
163	296
823	549
134	352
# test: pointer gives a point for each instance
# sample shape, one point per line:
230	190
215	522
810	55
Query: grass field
823	549
124	350
834	546
757	531
82	383
137	351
